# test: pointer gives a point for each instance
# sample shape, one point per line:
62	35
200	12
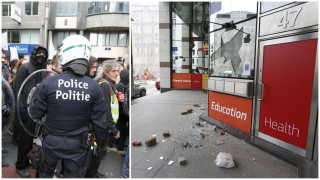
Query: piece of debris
136	143
196	105
154	135
166	134
183	145
189	110
224	139
252	159
205	91
151	142
188	145
219	142
182	160
224	160
199	124
222	132
171	162
214	127
163	140
161	157
184	113
202	135
149	168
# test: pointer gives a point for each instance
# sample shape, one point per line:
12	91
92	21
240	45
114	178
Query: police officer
71	101
38	58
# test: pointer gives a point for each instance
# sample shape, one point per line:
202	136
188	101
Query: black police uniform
70	102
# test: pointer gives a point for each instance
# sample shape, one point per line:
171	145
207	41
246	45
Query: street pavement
110	166
152	115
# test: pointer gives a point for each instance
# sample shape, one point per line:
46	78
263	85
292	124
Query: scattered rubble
214	127
252	159
161	157
166	134
171	162
151	142
182	160
196	105
189	110
222	132
149	168
184	113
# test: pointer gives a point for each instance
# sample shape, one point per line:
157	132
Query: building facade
262	79
104	24
145	41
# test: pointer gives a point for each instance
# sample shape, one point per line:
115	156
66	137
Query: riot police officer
70	101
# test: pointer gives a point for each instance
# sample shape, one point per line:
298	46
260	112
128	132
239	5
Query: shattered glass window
232	39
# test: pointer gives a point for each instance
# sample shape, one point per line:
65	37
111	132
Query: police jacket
111	126
26	69
70	102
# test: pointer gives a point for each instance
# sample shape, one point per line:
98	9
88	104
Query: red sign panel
232	110
288	73
180	80
196	81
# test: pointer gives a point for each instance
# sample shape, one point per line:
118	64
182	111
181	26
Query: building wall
145	39
164	39
27	22
108	20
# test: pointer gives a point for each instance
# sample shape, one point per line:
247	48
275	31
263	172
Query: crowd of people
79	104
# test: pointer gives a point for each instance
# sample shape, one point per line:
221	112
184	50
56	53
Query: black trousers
24	144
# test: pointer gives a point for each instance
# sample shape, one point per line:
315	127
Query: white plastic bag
224	160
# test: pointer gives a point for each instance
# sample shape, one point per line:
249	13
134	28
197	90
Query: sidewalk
110	166
152	115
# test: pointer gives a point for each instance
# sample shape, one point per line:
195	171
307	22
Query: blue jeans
125	165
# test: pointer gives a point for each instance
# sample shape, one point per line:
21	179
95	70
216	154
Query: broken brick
166	134
202	135
199	124
183	145
184	113
151	142
182	160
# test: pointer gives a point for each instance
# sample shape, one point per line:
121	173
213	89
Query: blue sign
22	48
215	7
174	48
108	48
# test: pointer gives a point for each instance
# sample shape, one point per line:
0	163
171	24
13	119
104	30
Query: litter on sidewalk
151	142
171	162
224	160
136	143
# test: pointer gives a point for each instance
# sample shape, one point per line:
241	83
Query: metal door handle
261	96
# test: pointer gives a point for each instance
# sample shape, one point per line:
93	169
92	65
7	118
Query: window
107	7
113	38
67	8
109	38
30	36
31	8
23	36
62	35
122	39
6	10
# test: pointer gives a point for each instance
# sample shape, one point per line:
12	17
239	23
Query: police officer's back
71	101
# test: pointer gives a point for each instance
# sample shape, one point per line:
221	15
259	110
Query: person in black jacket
123	120
37	61
71	101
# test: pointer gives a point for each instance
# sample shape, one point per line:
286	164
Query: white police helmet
72	48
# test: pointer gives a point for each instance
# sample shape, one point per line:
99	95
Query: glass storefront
232	40
190	41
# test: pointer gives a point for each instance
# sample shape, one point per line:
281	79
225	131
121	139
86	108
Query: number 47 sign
289	17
